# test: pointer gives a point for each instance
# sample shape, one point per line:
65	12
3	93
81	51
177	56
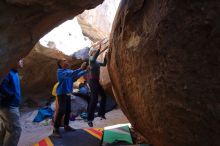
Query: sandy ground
32	133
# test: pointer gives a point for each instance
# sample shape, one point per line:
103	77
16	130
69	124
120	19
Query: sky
68	37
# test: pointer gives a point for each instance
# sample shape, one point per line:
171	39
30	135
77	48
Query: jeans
64	109
10	128
96	89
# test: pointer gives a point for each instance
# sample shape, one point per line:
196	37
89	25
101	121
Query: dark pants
10	128
96	89
64	109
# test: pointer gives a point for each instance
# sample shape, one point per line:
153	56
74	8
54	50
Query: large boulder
24	22
165	69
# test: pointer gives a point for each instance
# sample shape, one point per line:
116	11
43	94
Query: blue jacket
66	77
10	87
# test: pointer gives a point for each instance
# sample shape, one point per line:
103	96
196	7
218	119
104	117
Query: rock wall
165	69
23	22
93	33
102	16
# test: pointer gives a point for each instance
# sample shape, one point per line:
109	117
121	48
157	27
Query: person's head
20	64
63	63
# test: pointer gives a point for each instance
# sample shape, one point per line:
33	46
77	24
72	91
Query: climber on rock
95	86
10	96
65	77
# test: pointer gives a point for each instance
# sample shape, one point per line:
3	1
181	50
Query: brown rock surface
23	22
90	31
102	16
165	69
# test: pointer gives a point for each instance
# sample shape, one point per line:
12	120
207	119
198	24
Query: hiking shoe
56	133
102	117
90	123
68	128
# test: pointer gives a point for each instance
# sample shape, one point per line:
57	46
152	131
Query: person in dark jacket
65	77
10	96
95	86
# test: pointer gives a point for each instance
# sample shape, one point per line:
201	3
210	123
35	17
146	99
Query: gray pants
10	128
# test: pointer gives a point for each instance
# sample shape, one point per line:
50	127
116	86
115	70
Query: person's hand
83	66
88	68
106	57
100	46
107	54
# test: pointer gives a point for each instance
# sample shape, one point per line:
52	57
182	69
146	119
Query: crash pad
44	142
118	135
80	137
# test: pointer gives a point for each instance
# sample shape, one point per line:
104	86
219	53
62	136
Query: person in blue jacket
65	77
10	96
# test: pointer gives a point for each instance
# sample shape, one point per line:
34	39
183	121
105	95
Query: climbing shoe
102	117
56	133
90	123
68	128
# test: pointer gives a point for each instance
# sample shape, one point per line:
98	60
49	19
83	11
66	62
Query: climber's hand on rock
100	46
